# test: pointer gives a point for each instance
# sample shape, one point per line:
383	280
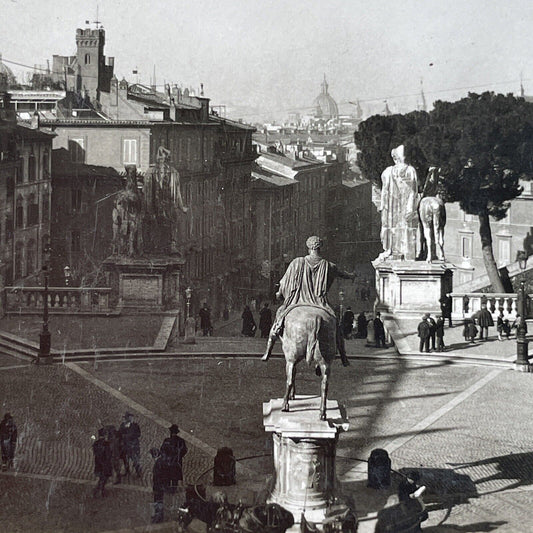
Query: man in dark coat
362	329
439	332
379	331
8	441
103	465
265	321
115	443
160	484
446	309
484	320
432	331
174	449
347	322
423	333
205	320
130	433
248	323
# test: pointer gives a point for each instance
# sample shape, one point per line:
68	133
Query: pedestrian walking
432	331
265	321
439	332
115	443
174	449
506	330
8	441
160	484
205	320
423	333
517	322
130	433
248	323
446	309
362	323
347	323
103	467
484	319
379	331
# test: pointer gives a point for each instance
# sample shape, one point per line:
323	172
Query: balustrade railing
464	305
60	299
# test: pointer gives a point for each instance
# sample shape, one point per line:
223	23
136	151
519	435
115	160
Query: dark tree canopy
483	144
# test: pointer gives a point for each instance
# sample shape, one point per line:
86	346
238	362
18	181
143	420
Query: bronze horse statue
309	334
432	214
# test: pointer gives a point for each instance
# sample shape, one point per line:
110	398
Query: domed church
7	78
325	107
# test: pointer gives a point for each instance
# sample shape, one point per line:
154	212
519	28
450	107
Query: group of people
249	326
482	320
113	447
431	333
358	328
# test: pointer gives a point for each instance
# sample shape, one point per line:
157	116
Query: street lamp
188	294
522	360
68	278
44	336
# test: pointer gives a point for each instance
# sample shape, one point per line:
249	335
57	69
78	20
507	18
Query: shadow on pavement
477	527
515	467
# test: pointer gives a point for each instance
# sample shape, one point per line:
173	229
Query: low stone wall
30	300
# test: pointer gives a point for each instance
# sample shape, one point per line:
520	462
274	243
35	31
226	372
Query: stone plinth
147	283
304	455
412	287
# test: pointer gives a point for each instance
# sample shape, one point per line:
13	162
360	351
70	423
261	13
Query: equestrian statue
305	322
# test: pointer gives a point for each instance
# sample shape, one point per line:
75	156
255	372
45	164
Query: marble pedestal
304	455
146	283
412	287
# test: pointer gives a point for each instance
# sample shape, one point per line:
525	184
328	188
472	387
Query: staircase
18	347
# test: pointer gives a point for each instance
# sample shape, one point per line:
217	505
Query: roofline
118	123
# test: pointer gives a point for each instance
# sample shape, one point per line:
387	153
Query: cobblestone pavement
466	428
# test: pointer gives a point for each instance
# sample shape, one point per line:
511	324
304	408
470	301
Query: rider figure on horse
306	282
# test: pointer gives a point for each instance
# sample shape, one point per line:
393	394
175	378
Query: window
504	251
33	211
129	151
19	213
19	247
75	241
77	150
46	164
45	207
30	257
75	199
32	168
87	59
466	246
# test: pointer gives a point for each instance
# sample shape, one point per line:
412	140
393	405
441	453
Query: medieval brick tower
94	72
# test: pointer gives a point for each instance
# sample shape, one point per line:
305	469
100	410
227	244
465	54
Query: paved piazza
468	429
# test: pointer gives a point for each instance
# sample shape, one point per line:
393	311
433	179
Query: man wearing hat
424	333
130	433
174	449
306	281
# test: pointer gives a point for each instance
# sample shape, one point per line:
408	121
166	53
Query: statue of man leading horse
305	322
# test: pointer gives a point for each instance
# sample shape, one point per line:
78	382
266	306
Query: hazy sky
272	55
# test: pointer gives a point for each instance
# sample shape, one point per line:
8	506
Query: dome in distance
325	106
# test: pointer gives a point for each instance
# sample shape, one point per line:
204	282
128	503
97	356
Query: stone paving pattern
473	449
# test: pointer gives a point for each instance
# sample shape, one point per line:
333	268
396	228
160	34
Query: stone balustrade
60	300
464	305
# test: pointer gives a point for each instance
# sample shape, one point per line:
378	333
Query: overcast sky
271	55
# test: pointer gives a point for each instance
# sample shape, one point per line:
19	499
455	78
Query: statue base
412	287
304	455
146	283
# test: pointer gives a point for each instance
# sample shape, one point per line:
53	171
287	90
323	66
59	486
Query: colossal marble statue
162	191
128	215
399	202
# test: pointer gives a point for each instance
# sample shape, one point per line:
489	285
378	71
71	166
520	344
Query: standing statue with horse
305	322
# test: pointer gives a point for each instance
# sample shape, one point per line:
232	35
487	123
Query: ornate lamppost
44	336
190	323
522	360
68	276
188	295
